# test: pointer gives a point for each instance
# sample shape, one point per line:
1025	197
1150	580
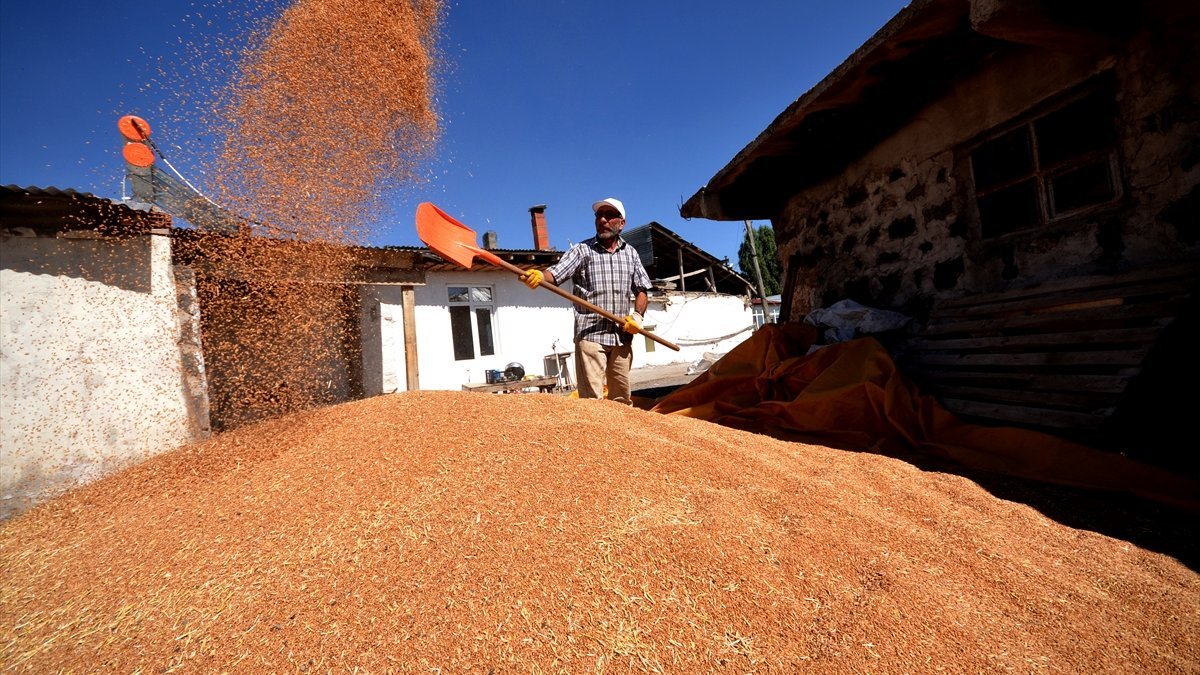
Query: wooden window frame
1043	177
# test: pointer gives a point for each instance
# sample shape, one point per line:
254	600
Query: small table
559	359
545	384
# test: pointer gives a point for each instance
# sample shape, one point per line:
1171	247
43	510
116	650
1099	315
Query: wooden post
762	291
682	285
408	299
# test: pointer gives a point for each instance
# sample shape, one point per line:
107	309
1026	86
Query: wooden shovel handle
620	321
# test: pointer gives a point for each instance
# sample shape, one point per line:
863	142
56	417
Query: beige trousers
595	364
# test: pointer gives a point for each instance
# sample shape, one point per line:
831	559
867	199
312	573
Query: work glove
532	278
633	323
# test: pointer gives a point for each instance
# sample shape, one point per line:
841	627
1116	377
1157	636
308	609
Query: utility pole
762	290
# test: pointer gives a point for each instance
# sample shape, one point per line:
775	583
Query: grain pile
536	533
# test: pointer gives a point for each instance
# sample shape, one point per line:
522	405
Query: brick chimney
490	241
537	216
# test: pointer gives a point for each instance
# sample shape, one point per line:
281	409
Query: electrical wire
163	156
715	340
158	151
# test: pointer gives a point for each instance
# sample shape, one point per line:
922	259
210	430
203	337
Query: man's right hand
532	278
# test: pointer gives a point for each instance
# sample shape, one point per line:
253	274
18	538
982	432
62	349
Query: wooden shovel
456	242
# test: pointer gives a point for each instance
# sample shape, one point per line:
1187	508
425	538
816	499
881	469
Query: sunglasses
608	215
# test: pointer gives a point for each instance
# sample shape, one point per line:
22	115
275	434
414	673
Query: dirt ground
471	533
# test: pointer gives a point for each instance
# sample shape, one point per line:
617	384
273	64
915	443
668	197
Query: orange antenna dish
138	154
134	128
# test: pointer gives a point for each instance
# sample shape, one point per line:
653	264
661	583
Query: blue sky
542	102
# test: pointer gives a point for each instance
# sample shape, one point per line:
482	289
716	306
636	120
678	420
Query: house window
471	311
758	315
1053	166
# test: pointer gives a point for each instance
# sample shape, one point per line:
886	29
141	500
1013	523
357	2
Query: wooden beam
1027	380
1093	318
1184	271
1118	336
1130	357
1026	415
408	300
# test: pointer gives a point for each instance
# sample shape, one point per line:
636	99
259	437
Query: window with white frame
471	312
1052	166
758	315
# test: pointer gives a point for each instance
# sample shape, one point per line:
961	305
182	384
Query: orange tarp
852	395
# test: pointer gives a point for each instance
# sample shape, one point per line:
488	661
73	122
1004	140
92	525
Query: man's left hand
633	323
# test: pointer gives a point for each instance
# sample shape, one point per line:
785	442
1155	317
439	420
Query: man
607	272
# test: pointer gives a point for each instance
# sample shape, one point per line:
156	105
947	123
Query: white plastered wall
90	370
701	324
527	324
382	322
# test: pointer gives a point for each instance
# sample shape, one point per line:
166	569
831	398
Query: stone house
1020	176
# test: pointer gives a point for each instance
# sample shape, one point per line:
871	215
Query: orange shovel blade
446	236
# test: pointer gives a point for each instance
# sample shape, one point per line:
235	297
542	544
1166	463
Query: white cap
610	201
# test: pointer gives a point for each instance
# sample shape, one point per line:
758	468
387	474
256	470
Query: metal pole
762	290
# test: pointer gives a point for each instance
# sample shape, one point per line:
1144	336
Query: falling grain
330	111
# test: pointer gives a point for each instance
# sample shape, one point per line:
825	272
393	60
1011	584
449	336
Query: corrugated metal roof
47	191
55	209
61	209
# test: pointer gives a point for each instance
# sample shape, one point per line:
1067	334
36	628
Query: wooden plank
1043	417
1128	357
1153	313
1056	399
1035	381
1080	299
1187	270
1115	336
1056	355
543	383
408	311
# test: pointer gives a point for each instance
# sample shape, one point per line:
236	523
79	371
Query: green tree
768	258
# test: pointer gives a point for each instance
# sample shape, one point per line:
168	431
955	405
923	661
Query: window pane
460	328
483	318
1081	127
481	294
1009	209
1089	184
459	294
1002	159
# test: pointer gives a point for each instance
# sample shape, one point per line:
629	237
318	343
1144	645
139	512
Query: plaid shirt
610	281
